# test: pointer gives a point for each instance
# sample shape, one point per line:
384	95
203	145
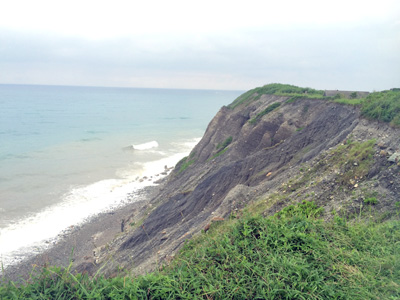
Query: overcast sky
236	45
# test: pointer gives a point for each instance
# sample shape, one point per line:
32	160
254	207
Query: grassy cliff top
383	106
275	89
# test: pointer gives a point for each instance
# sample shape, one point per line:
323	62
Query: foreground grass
293	255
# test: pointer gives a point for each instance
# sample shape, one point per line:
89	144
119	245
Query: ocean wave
37	232
188	144
145	146
34	234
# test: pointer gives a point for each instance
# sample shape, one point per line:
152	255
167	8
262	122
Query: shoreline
77	245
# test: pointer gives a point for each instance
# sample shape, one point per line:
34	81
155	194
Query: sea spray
145	146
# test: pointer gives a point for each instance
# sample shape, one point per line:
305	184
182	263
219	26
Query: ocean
70	153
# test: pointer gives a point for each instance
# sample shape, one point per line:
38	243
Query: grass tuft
270	108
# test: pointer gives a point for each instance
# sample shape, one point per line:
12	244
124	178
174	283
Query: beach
77	245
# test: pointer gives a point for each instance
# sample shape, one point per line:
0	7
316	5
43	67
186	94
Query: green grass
292	255
287	90
354	102
371	200
184	163
354	159
276	89
384	106
270	108
222	147
224	144
219	153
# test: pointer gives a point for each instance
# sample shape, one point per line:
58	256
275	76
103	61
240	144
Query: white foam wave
146	146
36	233
187	145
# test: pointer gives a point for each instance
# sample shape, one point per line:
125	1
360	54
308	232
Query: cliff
269	149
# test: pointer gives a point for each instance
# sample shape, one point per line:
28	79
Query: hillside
279	143
263	155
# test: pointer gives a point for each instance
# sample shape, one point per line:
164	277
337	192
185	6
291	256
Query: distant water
69	153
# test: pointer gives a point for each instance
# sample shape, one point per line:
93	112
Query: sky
218	44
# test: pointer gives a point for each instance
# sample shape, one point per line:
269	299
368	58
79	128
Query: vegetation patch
276	89
383	106
222	146
217	154
244	98
371	200
184	163
270	108
288	90
292	255
354	102
354	159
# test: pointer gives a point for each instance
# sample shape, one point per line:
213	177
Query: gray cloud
360	57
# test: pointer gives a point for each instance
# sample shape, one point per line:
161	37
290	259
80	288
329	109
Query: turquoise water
68	153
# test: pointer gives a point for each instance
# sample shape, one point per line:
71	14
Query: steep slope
274	149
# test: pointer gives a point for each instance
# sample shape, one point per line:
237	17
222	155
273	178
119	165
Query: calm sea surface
68	153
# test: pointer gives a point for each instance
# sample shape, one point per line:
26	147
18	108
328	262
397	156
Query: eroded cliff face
250	154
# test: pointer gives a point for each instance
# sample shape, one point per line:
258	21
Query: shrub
353	95
222	146
264	112
383	106
371	200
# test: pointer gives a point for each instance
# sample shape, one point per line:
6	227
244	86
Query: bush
264	112
222	146
353	95
383	106
371	200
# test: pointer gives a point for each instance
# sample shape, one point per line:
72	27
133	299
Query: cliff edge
270	148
